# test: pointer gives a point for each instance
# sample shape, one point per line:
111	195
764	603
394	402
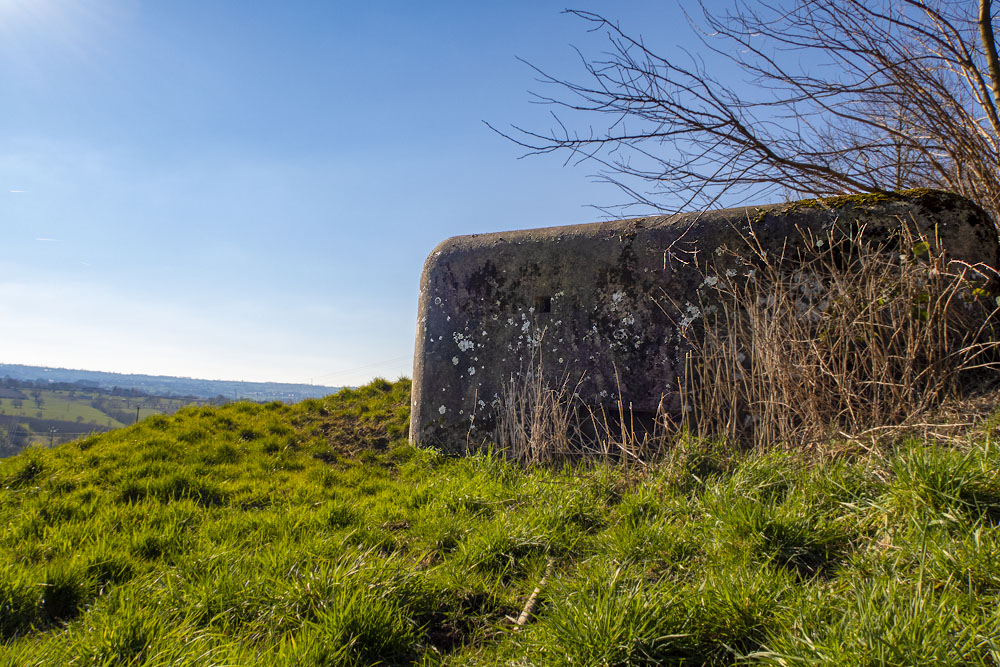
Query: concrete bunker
589	300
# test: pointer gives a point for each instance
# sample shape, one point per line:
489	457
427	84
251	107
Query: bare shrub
817	98
835	337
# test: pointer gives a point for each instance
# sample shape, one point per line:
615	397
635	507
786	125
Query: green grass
314	535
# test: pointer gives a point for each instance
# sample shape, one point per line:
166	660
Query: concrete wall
600	303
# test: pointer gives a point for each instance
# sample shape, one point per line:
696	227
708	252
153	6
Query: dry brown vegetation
840	338
837	339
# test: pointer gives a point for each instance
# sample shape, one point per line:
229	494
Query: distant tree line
86	385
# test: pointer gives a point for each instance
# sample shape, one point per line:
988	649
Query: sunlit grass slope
313	535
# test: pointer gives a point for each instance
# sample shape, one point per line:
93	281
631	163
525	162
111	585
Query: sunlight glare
30	28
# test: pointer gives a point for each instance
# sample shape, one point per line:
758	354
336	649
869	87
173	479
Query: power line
361	368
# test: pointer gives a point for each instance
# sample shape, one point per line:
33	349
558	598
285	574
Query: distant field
33	415
57	405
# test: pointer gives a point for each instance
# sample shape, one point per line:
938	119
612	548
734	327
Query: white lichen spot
559	294
437	301
560	360
604	393
472	370
464	344
628	320
442	409
691	313
711	281
730	273
454	361
616	298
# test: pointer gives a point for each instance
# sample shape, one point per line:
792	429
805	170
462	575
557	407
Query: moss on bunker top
930	200
933	200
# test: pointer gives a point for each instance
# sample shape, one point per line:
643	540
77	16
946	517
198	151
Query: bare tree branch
837	96
990	49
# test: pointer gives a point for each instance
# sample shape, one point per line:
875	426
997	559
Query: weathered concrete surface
603	301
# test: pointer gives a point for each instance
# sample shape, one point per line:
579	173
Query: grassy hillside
314	535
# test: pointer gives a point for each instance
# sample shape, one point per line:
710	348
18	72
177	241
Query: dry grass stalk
622	438
536	422
841	338
540	422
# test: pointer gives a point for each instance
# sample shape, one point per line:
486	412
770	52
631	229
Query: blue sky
248	190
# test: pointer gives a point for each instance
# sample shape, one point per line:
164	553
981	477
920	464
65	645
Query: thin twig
529	606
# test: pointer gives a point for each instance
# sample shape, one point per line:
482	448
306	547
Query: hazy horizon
182	377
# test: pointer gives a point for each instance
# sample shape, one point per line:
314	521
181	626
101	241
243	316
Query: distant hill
166	385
